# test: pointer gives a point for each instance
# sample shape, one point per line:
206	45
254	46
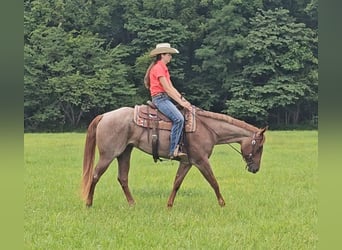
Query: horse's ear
262	131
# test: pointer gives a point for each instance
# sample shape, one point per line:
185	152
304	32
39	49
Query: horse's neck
228	133
227	129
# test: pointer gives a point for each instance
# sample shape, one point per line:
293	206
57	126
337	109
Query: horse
115	134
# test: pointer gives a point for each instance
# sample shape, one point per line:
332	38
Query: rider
157	80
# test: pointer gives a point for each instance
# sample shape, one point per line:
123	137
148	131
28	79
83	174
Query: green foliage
78	72
256	60
222	47
280	54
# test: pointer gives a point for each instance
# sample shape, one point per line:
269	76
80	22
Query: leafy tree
221	51
87	57
77	74
280	70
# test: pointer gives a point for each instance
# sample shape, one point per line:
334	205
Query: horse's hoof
222	203
131	203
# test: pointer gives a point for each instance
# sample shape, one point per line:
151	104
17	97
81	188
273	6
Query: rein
209	128
234	148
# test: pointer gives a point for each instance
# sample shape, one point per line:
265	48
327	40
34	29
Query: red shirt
158	70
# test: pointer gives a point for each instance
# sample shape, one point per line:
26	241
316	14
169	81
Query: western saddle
148	116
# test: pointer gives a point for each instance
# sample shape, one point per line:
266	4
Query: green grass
273	209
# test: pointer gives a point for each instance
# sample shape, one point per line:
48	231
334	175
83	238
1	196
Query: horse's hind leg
123	170
183	169
100	168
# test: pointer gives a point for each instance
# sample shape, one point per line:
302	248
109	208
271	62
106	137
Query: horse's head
251	150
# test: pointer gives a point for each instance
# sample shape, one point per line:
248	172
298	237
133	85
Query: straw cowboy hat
162	48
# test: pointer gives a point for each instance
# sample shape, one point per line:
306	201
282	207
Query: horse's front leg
183	169
205	169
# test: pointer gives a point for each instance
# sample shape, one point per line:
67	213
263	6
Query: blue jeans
165	106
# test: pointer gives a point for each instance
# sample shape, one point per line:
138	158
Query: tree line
256	60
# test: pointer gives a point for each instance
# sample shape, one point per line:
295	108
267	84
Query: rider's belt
159	94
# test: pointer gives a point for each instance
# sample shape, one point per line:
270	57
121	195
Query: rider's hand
186	104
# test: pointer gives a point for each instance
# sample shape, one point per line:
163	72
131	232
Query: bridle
249	158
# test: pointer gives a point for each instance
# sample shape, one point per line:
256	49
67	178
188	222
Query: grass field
273	209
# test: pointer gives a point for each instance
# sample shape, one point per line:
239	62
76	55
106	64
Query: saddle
148	116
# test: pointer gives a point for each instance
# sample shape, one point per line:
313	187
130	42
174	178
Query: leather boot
178	154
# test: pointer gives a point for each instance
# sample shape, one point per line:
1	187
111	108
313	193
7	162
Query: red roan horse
115	135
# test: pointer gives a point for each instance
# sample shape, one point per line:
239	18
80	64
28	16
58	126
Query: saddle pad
146	116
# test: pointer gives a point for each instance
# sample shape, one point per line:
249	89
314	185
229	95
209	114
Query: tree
77	74
87	57
280	70
221	51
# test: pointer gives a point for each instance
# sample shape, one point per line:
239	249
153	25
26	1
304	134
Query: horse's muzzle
252	169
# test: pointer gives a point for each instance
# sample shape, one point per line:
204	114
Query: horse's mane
227	118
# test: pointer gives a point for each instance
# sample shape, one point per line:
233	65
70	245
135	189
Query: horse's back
116	119
124	111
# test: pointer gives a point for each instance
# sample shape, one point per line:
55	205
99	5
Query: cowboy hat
162	48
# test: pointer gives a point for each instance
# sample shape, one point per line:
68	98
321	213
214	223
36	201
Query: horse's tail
89	156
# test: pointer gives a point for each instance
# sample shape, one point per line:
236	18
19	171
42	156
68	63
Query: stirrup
177	154
180	156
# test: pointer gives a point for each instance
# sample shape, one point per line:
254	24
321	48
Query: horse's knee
96	178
